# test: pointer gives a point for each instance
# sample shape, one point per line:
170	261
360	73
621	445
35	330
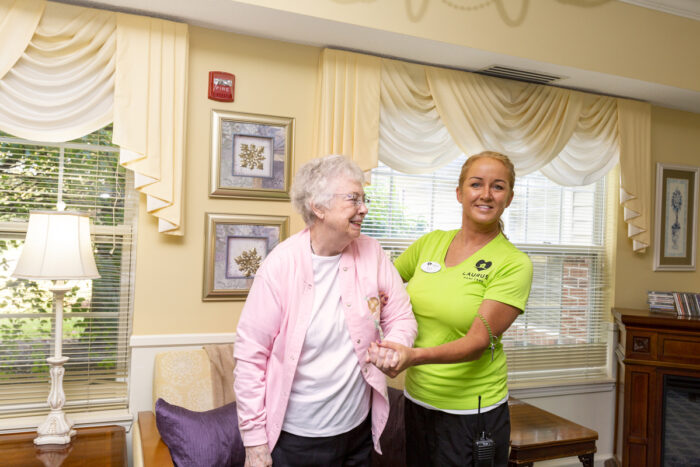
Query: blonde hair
502	158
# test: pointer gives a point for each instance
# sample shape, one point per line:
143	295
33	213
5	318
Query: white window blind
85	175
562	334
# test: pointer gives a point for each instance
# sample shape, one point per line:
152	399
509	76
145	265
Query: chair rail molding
177	340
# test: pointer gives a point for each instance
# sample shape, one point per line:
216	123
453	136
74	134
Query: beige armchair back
183	378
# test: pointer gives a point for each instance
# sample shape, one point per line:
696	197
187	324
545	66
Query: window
562	335
85	175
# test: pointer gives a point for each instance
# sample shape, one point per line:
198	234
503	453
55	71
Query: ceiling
242	18
688	8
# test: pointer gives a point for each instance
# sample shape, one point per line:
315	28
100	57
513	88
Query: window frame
21	414
595	369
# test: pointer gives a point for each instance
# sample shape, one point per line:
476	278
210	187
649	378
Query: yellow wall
272	78
610	37
278	78
675	139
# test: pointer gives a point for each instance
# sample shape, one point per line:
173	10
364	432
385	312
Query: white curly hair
312	183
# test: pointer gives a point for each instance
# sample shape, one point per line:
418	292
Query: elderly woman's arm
257	328
397	318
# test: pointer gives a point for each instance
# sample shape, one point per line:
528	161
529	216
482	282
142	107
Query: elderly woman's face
344	216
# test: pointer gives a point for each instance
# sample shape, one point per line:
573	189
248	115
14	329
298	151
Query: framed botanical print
676	220
252	155
235	247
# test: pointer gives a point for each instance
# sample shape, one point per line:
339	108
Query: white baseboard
574	462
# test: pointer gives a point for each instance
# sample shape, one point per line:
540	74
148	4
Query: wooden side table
103	446
537	435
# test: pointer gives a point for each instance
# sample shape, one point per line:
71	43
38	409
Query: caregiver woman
303	389
467	286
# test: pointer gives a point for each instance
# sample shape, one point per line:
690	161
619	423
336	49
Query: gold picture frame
234	249
252	156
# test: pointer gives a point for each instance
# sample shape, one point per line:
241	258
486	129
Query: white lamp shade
57	247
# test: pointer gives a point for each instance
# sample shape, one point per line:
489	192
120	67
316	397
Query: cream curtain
149	111
18	21
429	116
413	138
66	71
529	123
61	87
635	169
348	107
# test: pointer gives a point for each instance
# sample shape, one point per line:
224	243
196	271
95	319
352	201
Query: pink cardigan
276	315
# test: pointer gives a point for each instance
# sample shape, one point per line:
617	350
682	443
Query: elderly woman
303	388
467	286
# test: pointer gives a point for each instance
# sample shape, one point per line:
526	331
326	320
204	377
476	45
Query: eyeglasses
355	198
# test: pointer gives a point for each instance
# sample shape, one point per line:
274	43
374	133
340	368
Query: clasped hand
258	456
389	357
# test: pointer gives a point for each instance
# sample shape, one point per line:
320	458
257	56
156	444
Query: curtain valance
430	115
67	71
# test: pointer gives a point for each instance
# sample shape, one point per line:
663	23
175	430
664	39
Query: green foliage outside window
86	178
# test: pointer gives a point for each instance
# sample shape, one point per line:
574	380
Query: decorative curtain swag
67	71
428	116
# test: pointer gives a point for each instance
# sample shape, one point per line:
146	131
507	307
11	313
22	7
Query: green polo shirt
445	304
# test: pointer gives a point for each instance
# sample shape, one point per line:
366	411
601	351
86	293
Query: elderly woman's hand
389	357
258	456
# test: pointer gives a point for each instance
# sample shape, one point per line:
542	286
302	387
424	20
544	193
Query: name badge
430	267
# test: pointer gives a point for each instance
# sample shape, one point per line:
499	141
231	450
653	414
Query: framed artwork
676	220
252	156
235	247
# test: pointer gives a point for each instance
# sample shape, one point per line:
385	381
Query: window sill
606	385
120	417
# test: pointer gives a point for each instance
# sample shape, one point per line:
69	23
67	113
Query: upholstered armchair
183	378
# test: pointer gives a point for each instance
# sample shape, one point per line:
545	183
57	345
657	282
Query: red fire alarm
221	86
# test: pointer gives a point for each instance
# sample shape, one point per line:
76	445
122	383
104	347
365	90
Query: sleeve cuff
254	437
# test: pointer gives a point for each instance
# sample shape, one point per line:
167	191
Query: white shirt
329	396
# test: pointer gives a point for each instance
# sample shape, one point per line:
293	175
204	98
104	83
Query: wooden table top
646	318
103	446
531	426
537	435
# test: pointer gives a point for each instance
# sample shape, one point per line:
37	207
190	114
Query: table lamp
57	248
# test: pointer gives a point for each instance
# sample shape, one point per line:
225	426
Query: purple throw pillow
201	439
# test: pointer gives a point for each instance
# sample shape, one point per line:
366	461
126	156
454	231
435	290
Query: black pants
350	449
435	438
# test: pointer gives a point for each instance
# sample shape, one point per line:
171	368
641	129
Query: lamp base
56	429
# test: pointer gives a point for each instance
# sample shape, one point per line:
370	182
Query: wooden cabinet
650	347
